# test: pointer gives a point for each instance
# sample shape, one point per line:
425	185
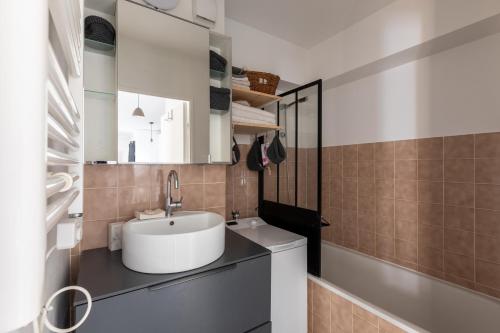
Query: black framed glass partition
290	193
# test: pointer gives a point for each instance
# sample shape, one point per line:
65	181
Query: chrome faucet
169	202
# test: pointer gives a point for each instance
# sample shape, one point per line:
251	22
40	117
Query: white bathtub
412	301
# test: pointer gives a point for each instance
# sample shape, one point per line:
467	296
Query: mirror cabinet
147	97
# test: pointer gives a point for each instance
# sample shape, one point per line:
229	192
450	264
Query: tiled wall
307	173
431	205
328	312
114	192
241	187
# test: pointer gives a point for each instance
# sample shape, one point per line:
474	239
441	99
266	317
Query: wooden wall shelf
255	98
249	128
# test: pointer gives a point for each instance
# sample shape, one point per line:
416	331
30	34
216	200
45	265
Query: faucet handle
177	204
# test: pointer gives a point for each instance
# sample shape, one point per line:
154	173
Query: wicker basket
263	82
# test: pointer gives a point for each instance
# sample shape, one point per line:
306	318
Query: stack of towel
240	79
247	114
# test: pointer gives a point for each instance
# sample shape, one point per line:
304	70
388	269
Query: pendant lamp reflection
138	111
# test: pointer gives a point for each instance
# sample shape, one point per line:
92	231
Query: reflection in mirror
152	129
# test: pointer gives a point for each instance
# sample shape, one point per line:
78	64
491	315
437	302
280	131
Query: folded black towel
220	98
98	29
217	62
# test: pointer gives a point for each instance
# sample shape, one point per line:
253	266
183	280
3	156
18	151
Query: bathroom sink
184	241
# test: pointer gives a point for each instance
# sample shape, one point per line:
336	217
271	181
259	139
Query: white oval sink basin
185	241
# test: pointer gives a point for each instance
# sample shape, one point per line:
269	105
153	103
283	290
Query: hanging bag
276	152
254	158
235	153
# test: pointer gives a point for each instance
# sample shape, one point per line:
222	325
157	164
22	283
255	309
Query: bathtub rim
451	284
379	312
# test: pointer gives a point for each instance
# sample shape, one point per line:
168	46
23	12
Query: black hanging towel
276	152
254	158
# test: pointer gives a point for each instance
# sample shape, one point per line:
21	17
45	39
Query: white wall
260	51
399	26
449	93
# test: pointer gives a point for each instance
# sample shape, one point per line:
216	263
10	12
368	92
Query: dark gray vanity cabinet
230	298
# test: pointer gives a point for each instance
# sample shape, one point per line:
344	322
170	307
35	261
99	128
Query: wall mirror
152	129
163	80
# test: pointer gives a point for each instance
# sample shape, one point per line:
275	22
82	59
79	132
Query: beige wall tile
132	199
341	313
430	258
384	151
95	234
430	214
459	218
366	221
363	326
100	204
430	236
192	196
488	170
336	153
459	265
366	187
134	175
488	248
367	242
461	170
385	245
488	196
406	230
406	210
406	251
193	174
384	188
406	190
366	169
460	146
430	192
431	148
350	168
406	150
366	152
459	241
488	223
488	145
406	169
214	173
214	195
365	315
159	174
321	300
350	153
384	169
98	176
386	327
430	170
459	194
488	274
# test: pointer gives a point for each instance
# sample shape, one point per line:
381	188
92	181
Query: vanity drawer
232	299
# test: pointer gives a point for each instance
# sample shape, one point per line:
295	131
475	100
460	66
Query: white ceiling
302	22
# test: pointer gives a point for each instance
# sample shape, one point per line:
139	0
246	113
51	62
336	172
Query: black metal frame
302	221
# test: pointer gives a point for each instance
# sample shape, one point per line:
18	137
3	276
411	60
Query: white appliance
288	272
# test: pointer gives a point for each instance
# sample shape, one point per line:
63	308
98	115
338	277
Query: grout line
474	221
